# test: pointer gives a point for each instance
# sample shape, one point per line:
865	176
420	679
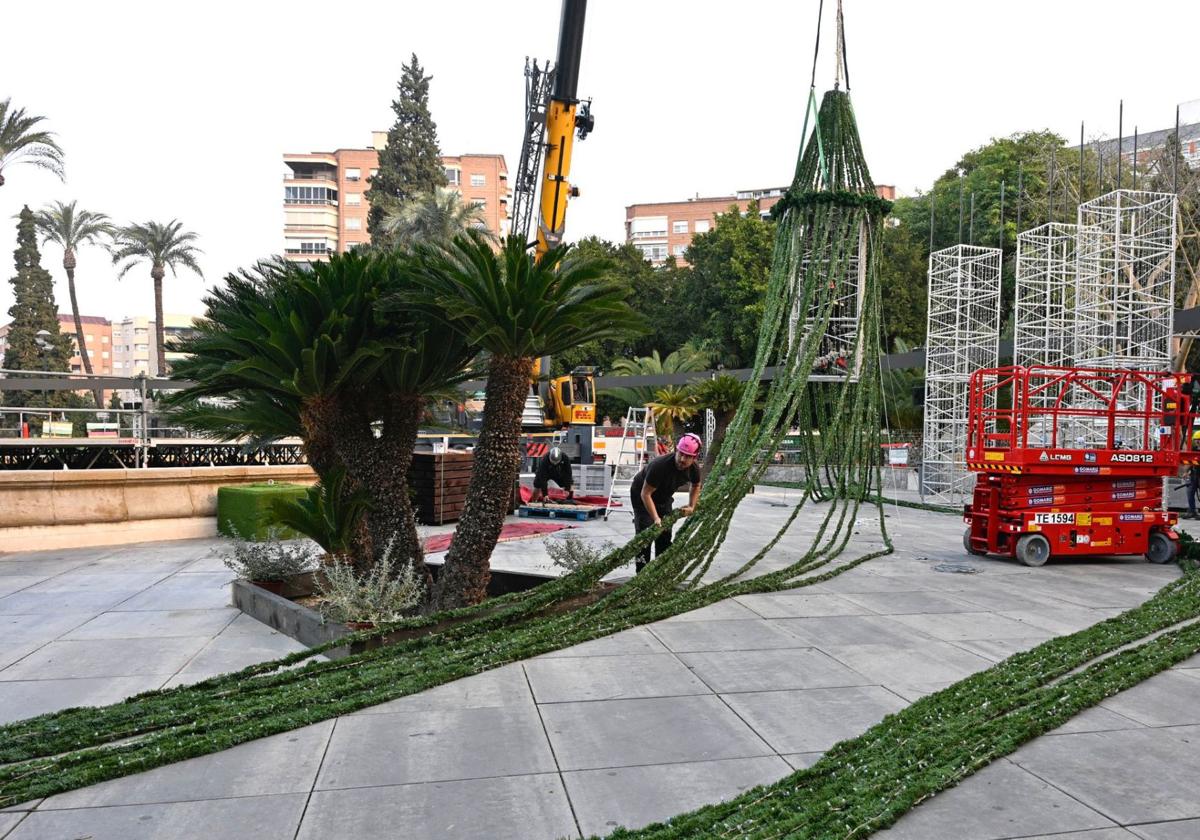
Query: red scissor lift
1074	465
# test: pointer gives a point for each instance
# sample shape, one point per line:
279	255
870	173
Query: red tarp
556	494
511	531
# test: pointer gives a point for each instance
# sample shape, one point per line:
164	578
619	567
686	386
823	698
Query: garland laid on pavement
821	245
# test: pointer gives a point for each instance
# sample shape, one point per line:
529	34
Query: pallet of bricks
439	484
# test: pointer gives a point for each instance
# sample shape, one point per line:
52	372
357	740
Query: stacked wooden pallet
439	485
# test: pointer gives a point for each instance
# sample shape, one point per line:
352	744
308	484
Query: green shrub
269	560
386	593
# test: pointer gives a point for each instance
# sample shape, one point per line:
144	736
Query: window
655	253
353	174
374	172
353	224
313	248
679	227
478	181
678	250
104	339
309	195
702	225
141	347
648	227
104	355
481	203
353	199
141	331
454	176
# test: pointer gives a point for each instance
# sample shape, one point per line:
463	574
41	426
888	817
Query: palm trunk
69	265
465	575
157	272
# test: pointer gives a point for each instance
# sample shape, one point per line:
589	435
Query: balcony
311	176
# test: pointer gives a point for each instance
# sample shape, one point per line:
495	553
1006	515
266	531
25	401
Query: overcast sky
183	110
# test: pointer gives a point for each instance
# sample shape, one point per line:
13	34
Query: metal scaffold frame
963	335
1126	280
1045	296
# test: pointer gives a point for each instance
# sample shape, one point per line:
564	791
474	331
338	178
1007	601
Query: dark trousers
641	521
1192	486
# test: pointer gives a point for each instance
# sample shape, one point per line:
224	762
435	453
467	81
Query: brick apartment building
666	228
325	206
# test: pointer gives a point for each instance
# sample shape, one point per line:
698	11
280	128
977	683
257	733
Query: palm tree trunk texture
158	272
338	433
465	575
69	265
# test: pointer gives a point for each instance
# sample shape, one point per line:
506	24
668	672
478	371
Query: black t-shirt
559	473
665	477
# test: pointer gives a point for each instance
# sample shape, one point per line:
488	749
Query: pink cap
689	444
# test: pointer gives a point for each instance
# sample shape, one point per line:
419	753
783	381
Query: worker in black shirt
653	491
554	467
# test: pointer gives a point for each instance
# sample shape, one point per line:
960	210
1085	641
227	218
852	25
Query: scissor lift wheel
967	544
1161	549
1033	550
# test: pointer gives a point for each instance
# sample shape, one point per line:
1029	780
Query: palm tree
686	359
70	228
163	246
22	142
673	406
436	216
517	309
305	351
722	395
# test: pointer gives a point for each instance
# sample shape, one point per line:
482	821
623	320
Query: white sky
183	110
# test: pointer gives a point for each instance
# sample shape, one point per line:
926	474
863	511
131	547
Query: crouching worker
554	467
653	491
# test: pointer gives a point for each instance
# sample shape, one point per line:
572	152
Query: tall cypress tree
411	163
34	310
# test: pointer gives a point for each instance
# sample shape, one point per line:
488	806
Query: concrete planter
289	618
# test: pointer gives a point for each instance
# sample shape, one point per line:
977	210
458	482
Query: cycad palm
21	141
436	216
70	229
673	406
516	309
306	351
163	246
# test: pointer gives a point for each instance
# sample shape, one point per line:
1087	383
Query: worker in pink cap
653	491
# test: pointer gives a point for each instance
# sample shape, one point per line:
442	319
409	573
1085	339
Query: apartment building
666	228
97	337
325	204
135	348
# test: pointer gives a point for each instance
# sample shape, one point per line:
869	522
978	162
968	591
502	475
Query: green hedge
246	511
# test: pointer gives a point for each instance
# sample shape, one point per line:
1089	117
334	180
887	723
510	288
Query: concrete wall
47	509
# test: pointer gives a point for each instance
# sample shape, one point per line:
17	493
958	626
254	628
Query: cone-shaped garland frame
820	232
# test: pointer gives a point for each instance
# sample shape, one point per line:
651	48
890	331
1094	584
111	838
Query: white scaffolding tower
1045	296
841	332
963	335
1126	280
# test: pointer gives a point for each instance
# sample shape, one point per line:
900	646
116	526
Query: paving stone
44	564
284	763
1062	621
35	600
155	624
915	691
226	654
635	640
1096	719
783	605
850	630
769	670
1179	830
906	603
102	658
686	636
637	796
565	679
440	745
966	626
728	609
30	698
1000	801
510	808
1096	595
15	583
802	761
997	650
503	687
813	719
907	664
1131	775
18	629
1166	699
260	817
199	591
1096	834
622	733
8	822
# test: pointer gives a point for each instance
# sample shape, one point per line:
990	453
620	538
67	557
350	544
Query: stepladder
637	447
